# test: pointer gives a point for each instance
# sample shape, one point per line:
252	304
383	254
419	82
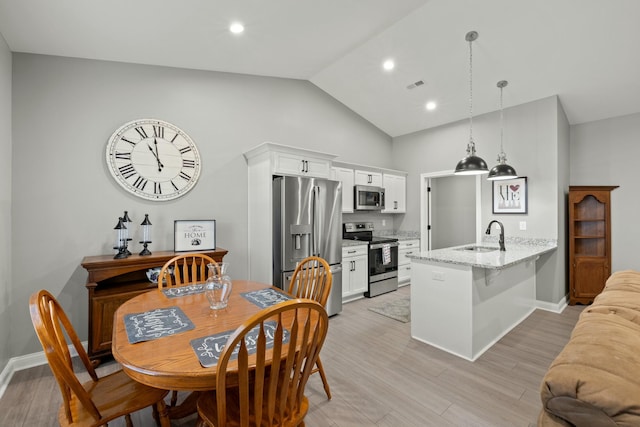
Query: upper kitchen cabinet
395	187
345	176
285	160
363	177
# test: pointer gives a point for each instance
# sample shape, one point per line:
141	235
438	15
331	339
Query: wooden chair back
272	393
312	279
188	269
51	324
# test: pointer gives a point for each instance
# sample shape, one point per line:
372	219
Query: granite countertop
400	235
517	250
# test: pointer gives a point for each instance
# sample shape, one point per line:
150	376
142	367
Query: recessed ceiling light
388	65
236	28
431	105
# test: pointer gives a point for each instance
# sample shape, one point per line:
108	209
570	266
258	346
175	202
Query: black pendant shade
502	171
471	165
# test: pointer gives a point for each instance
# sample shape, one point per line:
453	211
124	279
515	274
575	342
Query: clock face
153	159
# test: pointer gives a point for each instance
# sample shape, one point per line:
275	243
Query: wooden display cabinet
589	241
114	281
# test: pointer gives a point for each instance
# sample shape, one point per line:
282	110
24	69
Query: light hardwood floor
380	377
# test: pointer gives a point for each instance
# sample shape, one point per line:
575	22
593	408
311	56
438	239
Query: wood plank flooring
380	377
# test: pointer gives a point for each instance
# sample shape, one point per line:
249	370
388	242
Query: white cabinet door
395	193
294	164
345	176
406	247
368	178
359	275
355	278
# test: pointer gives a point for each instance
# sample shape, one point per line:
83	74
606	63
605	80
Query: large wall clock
153	159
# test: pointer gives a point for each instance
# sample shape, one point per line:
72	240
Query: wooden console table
114	281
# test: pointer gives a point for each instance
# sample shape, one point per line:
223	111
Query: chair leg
325	383
127	419
174	398
163	414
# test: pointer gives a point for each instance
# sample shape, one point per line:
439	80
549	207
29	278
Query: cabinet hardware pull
351	252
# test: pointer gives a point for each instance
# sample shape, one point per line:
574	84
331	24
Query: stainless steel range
383	257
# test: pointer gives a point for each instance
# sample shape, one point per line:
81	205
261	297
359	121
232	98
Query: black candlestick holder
123	252
145	251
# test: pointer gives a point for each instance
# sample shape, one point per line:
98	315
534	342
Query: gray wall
605	152
6	299
531	143
66	203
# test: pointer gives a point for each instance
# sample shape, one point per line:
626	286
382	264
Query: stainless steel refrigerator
307	221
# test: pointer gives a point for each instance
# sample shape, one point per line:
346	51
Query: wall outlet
384	222
523	225
437	275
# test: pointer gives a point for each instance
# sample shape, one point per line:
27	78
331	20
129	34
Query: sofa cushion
594	381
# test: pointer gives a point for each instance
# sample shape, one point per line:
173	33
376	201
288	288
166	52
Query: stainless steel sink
476	248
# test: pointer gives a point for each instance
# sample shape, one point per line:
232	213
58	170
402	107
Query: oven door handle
380	245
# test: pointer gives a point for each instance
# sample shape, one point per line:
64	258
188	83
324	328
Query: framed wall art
194	235
510	196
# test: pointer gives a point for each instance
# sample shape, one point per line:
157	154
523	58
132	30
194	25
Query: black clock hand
160	165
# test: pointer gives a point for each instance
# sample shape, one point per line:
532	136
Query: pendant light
471	164
502	170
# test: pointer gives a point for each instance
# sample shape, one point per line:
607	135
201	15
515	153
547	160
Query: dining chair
264	367
100	400
312	279
188	268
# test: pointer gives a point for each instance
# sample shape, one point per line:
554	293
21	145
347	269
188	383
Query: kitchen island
465	298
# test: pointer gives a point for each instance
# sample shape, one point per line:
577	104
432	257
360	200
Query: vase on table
218	286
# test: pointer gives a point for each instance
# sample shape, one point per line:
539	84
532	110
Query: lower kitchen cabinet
407	247
354	272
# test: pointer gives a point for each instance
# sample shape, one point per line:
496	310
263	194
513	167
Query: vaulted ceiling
585	51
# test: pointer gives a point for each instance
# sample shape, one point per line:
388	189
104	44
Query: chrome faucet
501	240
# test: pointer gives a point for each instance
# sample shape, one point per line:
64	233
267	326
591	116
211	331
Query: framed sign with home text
510	196
194	235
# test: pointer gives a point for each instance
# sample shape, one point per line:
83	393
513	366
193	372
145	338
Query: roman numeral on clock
141	132
185	150
184	176
140	183
126	140
158	131
188	163
123	156
156	188
127	170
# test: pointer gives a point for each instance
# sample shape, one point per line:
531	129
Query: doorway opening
450	210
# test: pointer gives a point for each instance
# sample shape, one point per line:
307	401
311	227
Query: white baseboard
25	362
556	308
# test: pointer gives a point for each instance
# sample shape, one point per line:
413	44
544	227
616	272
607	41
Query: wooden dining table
170	362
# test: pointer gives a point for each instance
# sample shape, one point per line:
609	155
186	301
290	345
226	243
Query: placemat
156	323
183	291
208	349
267	297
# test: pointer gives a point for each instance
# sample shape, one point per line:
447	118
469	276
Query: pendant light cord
501	124
471	143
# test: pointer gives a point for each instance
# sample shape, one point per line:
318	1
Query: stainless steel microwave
368	198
